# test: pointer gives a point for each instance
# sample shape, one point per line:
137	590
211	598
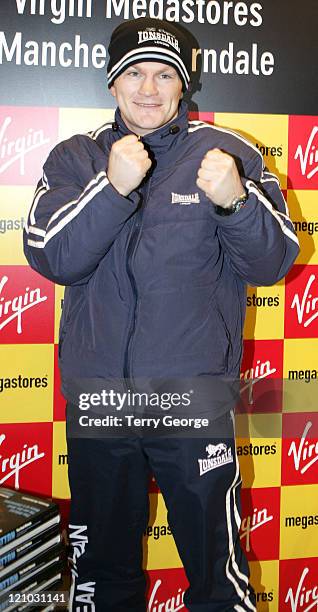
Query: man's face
148	96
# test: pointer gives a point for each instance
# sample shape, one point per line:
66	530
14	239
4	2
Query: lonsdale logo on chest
185	199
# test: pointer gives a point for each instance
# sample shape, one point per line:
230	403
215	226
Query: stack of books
31	552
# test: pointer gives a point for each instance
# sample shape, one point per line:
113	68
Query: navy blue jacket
155	282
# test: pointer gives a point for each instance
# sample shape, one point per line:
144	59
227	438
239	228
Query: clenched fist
218	177
128	164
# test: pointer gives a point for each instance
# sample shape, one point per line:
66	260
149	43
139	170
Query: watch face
236	205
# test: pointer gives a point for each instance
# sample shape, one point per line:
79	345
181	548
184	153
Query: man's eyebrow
167	69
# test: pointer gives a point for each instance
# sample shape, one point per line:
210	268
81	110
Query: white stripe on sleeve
253	189
100	181
199	125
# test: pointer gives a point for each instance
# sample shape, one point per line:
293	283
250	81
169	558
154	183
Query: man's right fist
128	164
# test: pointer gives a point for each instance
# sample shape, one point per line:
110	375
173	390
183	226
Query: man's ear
112	90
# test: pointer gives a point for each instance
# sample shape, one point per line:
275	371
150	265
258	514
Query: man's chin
145	122
146	127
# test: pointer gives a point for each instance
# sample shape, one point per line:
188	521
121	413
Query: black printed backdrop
286	29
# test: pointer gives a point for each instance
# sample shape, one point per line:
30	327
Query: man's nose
148	86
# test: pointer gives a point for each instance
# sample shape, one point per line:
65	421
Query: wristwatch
237	203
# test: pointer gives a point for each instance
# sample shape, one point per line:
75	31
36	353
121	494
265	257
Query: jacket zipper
131	252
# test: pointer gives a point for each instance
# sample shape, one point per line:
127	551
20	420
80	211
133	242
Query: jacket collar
164	139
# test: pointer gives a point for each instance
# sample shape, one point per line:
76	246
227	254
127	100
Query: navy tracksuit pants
109	481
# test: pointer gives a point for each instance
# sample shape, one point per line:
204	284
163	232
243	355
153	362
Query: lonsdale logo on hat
158	36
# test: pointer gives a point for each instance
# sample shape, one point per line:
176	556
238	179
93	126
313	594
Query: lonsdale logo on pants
218	455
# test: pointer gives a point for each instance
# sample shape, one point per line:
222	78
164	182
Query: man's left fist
218	177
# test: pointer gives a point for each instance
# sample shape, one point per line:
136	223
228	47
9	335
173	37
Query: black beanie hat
149	40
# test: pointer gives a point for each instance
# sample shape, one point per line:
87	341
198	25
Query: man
155	225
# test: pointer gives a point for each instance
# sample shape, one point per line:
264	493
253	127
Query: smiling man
148	95
155	225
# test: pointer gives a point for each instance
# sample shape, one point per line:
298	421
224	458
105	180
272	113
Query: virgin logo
303	599
306	306
304	454
254	375
308	158
11	466
13	309
169	605
16	149
250	523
